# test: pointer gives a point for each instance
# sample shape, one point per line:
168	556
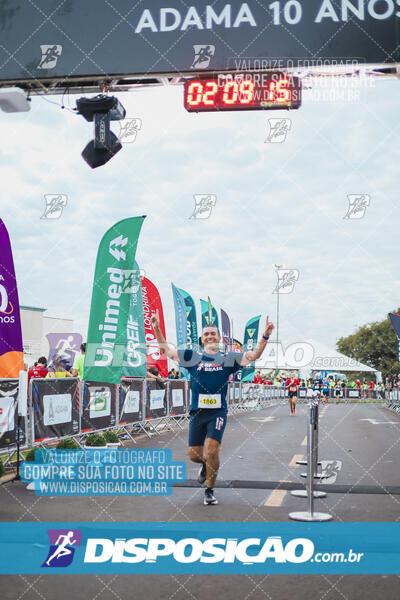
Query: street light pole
277	267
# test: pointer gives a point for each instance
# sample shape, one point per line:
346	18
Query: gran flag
181	325
395	320
134	364
249	343
111	298
151	304
209	315
192	335
226	331
11	349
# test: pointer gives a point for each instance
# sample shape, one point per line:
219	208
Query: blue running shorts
206	423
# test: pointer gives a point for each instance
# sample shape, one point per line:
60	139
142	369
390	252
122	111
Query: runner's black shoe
202	476
209	497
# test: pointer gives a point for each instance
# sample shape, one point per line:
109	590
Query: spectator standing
39	369
77	367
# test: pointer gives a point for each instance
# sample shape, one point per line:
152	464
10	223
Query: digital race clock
245	91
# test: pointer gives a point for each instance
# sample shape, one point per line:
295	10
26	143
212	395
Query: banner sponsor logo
132	402
62	547
100	402
177	397
201	547
7	414
57	408
157	399
170	19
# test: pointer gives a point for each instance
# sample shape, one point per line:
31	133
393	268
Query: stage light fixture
101	110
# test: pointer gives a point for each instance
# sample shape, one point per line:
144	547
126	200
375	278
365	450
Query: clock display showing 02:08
267	92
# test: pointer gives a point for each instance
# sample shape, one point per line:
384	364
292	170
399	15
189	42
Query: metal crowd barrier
66	407
392	398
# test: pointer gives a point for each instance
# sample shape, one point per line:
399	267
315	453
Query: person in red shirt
258	378
39	370
292	385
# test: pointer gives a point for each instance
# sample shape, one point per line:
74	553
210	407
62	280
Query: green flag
135	364
111	296
249	343
209	315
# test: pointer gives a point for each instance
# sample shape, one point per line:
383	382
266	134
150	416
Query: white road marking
373	422
264	420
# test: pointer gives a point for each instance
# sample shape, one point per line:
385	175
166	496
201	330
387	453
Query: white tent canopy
310	355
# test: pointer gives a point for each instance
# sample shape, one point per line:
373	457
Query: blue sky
276	203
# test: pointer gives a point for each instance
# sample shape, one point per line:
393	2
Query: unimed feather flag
111	297
11	349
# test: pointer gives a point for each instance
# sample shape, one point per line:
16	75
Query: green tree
374	344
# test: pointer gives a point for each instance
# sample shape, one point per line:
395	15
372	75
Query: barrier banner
176	398
151	304
54	408
131	401
99	406
333	394
110	304
135	350
352	393
156	399
9	431
302	392
11	350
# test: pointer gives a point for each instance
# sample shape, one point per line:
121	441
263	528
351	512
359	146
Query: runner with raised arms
209	373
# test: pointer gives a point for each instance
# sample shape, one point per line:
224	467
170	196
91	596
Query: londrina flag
395	319
192	335
226	331
11	349
111	296
181	324
209	315
151	304
249	343
135	364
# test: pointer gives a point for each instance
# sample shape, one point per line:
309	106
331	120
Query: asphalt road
358	447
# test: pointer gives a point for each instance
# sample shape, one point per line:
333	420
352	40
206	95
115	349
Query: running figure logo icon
202	56
278	129
286	281
62	547
128	129
204	204
55	204
358	204
50	56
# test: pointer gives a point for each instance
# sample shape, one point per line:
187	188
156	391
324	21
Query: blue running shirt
209	375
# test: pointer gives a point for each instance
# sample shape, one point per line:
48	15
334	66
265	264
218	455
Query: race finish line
393	490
